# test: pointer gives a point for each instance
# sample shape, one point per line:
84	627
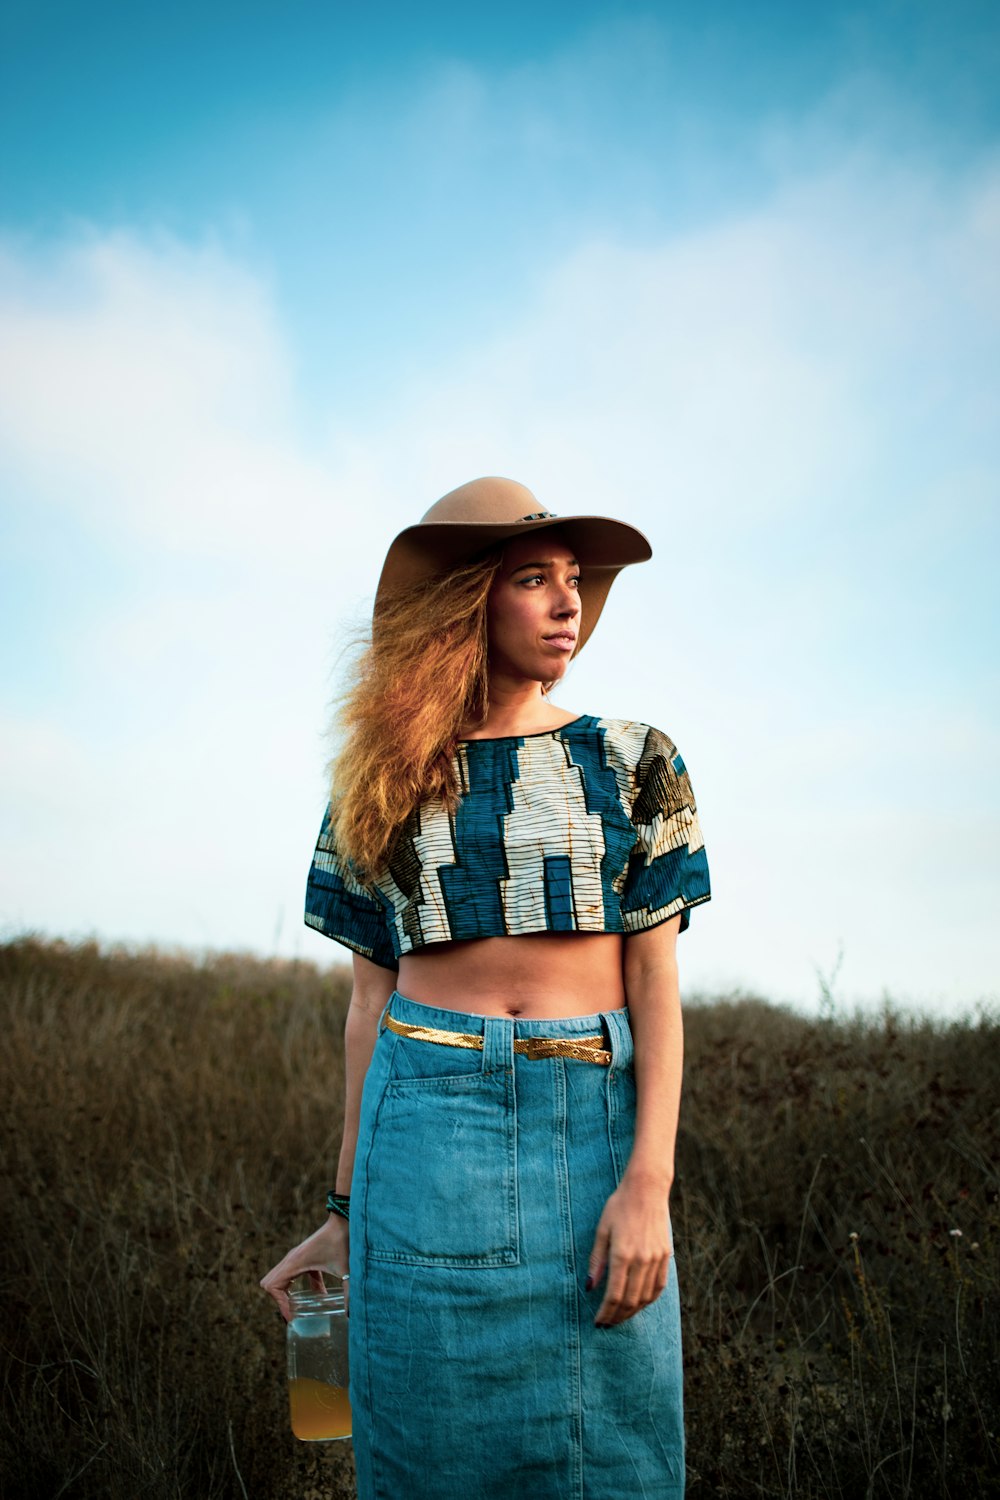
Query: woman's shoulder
634	740
647	758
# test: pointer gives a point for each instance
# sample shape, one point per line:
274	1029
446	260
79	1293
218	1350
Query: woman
512	878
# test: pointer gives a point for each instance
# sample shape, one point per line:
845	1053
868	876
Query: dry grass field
169	1128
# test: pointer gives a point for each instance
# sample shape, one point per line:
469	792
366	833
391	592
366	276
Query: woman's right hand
326	1250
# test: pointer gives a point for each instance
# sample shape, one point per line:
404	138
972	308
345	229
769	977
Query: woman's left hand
633	1243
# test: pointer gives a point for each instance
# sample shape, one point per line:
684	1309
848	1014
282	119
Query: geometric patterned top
591	827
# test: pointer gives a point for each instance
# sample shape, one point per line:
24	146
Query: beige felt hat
486	511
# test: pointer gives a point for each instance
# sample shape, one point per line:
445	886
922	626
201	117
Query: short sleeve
668	869
340	906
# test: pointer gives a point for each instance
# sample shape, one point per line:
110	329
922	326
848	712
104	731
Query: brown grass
171	1126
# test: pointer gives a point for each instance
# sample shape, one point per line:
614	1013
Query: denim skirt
476	1370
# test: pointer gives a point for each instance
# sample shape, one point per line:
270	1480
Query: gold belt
583	1048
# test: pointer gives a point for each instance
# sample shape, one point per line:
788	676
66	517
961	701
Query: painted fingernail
590	1284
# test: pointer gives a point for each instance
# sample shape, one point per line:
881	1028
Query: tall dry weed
170	1127
839	1213
168	1130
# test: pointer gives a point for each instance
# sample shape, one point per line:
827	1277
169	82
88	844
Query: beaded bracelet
339	1203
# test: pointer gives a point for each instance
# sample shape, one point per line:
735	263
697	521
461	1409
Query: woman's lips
562	642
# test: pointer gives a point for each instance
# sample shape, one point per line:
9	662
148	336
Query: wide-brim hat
485	511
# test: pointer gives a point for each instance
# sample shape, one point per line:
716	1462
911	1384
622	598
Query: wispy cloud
148	383
796	402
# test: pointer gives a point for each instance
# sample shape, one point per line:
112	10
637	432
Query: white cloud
785	401
149	384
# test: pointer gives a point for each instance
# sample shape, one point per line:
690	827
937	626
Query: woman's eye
540	578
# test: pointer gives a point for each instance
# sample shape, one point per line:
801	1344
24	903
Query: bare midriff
540	976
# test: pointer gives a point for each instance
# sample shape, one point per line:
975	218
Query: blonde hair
422	675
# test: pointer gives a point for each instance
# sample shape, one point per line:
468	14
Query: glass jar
317	1366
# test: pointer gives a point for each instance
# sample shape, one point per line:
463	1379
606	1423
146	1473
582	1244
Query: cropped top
591	827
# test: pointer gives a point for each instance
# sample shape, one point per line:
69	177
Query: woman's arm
370	993
633	1235
329	1246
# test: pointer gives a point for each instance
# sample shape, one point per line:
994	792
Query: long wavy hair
421	676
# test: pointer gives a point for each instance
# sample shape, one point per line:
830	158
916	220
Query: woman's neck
518	710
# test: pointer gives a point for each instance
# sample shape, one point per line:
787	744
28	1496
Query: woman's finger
618	1304
598	1255
280	1294
654	1280
631	1287
278	1281
614	1292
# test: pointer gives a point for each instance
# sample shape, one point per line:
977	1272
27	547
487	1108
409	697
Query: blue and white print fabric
591	827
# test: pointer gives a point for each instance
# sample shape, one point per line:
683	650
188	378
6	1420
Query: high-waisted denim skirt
477	1372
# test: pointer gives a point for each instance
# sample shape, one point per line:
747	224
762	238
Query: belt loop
385	1012
498	1044
619	1037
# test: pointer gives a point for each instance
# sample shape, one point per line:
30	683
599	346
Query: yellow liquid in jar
319	1410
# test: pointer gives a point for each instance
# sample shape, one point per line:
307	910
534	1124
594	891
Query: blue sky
274	278
401	173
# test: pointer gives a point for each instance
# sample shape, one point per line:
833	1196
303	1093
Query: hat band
541	515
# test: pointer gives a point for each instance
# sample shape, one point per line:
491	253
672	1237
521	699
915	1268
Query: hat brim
603	547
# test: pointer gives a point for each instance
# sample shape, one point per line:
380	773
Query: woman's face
533	609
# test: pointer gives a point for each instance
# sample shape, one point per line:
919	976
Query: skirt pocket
441	1184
